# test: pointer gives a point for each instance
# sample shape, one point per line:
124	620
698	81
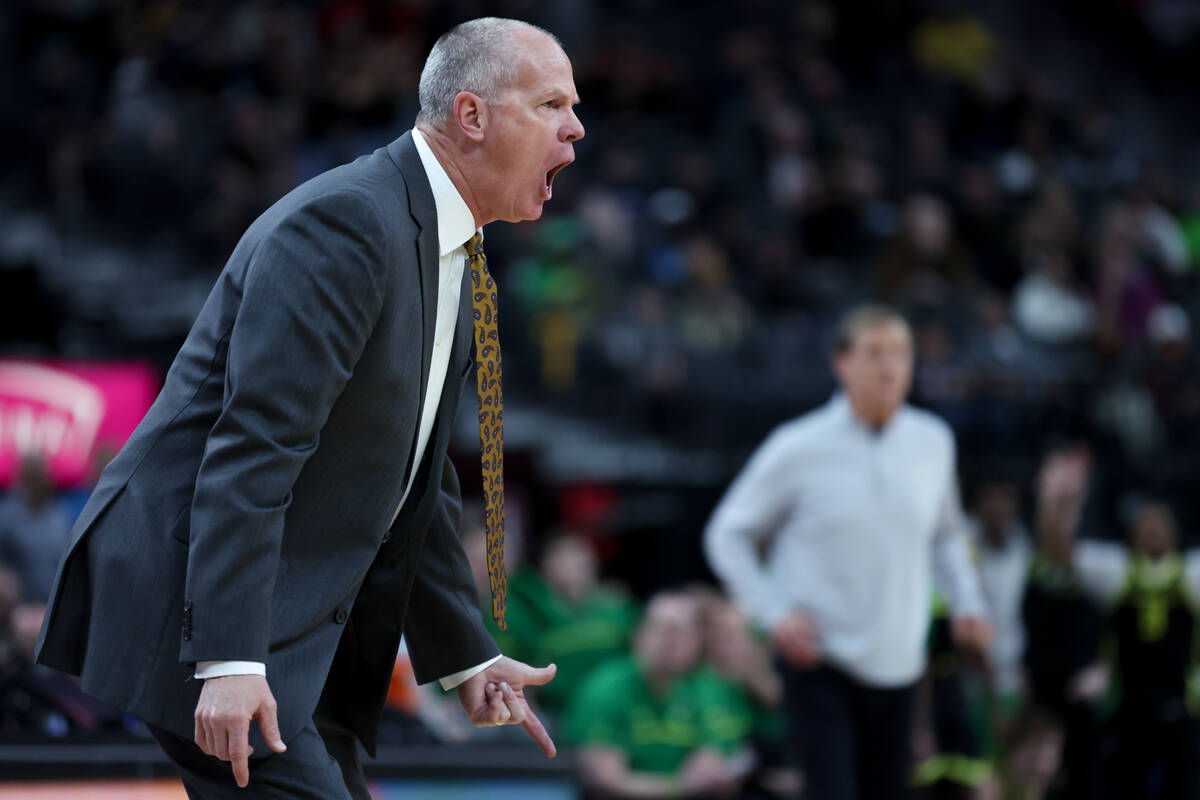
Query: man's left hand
972	633
496	696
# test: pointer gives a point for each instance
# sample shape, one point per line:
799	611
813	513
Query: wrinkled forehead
543	66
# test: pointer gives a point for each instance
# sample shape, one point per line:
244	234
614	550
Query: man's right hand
796	639
223	716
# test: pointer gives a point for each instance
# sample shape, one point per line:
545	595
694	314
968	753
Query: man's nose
573	130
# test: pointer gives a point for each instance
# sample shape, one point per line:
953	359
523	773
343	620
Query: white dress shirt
859	523
456	225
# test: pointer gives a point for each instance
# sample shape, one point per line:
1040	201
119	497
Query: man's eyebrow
563	94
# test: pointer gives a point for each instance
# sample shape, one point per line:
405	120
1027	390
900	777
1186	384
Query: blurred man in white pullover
857	504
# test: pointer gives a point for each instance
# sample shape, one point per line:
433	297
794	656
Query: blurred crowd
1018	177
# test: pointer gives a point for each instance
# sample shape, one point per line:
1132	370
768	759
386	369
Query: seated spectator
753	696
562	614
1036	757
33	530
923	263
1171	373
1048	305
650	725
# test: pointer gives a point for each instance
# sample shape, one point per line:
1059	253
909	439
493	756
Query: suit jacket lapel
463	349
424	212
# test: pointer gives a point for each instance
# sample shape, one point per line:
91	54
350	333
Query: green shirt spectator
617	708
549	627
655	724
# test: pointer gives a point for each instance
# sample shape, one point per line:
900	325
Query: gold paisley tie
491	421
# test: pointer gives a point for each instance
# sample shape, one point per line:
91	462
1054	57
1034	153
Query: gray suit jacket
247	518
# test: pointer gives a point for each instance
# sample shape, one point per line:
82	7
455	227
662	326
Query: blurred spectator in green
558	298
562	613
653	725
753	696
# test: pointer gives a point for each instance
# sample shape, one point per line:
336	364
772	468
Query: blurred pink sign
66	409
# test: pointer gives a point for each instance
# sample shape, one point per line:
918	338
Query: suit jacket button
339	616
387	537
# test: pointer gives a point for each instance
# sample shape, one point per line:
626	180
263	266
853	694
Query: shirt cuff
451	681
221	669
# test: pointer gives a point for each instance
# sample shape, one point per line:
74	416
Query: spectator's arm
763	682
606	770
749	514
1102	569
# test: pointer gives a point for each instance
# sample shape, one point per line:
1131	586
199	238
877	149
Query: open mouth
550	176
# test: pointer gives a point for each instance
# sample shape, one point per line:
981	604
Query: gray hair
476	56
859	319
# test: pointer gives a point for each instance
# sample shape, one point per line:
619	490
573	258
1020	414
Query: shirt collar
840	406
456	224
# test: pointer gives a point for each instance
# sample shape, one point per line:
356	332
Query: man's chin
530	214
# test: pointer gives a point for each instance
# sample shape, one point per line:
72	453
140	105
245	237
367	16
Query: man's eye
551	104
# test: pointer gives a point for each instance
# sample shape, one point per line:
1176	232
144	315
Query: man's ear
837	363
470	114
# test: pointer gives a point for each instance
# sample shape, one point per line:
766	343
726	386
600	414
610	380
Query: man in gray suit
286	509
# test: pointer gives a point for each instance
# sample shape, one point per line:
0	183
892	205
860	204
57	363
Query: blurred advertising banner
69	410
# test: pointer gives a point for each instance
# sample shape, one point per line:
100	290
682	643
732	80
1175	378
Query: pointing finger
537	731
239	752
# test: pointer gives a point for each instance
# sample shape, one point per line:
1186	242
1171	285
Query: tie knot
475	245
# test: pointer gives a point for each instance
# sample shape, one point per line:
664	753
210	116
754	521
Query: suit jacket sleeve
311	295
444	628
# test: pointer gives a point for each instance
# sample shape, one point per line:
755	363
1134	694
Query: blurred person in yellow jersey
856	507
